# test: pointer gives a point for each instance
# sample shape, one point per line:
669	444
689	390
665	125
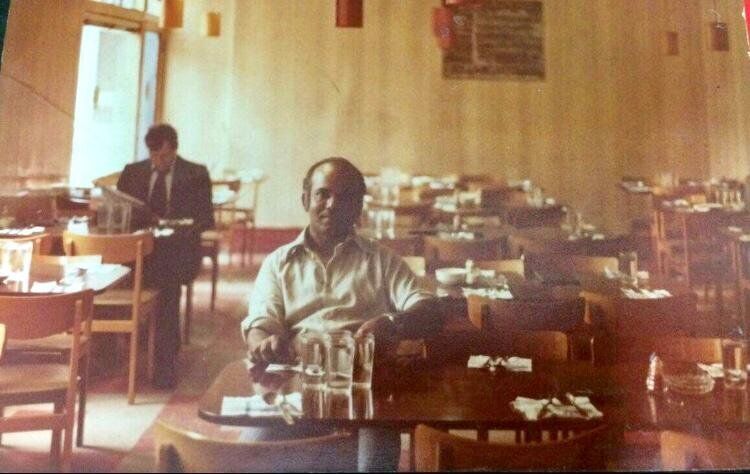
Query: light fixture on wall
349	13
212	24
172	15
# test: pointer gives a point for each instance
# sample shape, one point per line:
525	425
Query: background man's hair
160	133
342	163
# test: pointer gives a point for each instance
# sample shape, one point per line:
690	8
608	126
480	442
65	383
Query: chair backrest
683	452
514	265
437	450
113	248
674	316
501	316
42	243
416	264
569	264
403	246
542	345
454	252
34	317
185	451
525	216
67	260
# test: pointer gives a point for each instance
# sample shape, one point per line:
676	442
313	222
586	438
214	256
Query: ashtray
686	379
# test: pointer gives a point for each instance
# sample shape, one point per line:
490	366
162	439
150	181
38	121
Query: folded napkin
512	364
492	293
284	368
25	231
570	407
597	236
644	294
256	406
165	232
45	287
716	370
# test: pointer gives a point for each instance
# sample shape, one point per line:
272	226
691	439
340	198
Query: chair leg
82	390
67	450
243	248
2	414
188	313
251	244
151	345
214	278
132	365
56	445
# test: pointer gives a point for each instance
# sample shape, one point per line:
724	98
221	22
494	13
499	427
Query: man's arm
204	210
264	347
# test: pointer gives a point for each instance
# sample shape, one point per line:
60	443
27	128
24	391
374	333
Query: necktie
158	200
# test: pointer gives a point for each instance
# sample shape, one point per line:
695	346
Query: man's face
163	157
334	203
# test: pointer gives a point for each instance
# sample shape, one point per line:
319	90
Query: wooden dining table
53	278
452	396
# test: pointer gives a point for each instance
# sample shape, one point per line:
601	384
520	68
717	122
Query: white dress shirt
296	291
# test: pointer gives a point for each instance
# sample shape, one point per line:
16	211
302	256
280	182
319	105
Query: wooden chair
560	314
62	344
210	245
525	216
416	264
33	382
122	249
239	220
515	266
541	345
42	243
454	252
2	341
437	450
569	264
185	451
403	245
683	452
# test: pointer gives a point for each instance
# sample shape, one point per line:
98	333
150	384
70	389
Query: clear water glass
315	349
364	356
734	362
340	361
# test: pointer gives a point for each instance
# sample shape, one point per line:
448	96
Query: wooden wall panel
612	104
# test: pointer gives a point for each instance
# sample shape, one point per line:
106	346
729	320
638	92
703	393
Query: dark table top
556	240
453	396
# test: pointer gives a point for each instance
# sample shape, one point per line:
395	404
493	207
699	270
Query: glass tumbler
315	348
364	356
340	361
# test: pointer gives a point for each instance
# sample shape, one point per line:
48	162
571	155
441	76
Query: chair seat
26	379
123	297
57	343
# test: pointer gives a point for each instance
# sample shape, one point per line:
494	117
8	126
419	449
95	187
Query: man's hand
267	349
386	337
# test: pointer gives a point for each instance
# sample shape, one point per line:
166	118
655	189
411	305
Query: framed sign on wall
497	40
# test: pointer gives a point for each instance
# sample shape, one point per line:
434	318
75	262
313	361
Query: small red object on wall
442	25
349	13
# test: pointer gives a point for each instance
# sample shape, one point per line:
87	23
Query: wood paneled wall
613	102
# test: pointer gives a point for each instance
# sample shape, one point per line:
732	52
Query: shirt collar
169	171
301	243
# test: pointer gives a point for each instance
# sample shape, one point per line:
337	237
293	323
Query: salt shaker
654	378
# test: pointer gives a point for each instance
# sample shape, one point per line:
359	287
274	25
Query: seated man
173	188
329	279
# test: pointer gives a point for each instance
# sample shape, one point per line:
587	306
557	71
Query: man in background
173	189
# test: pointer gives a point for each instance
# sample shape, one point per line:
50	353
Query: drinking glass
364	355
340	361
15	259
734	362
315	349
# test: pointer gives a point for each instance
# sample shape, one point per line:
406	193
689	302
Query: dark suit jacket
190	197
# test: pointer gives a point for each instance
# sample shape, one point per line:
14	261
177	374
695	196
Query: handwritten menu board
501	39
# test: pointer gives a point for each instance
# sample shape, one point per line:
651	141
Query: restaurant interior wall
612	104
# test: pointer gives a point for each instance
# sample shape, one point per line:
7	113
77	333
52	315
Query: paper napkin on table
45	287
256	406
716	370
284	368
516	364
493	293
512	364
644	294
575	407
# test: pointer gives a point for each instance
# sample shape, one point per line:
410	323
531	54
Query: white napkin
492	293
716	370
284	368
597	236
256	406
511	364
644	294
477	361
576	407
165	232
516	364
